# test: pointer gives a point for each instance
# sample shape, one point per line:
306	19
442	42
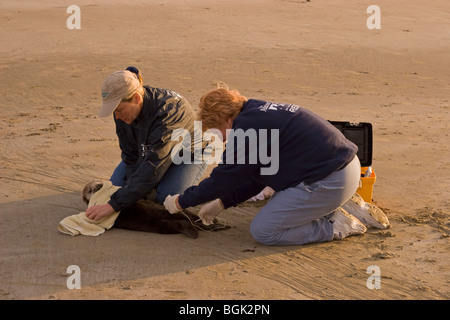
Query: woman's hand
210	211
171	204
99	211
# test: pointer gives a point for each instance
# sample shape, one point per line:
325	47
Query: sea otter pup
149	216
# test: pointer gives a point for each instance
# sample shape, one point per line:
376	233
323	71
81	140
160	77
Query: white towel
80	224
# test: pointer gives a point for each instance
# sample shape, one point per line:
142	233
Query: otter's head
89	189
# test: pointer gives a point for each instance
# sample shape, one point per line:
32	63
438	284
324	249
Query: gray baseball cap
118	85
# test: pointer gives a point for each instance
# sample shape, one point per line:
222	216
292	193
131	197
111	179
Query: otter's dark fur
149	216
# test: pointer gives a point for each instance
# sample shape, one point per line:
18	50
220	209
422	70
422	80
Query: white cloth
81	224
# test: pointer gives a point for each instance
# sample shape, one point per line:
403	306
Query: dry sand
318	54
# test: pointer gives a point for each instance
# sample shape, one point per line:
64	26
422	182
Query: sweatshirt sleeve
231	181
241	193
224	182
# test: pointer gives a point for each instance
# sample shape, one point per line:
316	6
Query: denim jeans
300	214
177	178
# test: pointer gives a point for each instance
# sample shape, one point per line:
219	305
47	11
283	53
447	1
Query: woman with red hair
317	170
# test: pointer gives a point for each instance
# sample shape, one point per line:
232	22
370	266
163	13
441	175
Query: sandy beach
319	54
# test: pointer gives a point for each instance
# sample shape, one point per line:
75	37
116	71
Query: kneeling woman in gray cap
145	119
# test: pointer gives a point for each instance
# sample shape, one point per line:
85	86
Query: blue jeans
300	214
177	178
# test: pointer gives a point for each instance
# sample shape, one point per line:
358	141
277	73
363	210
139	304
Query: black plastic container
359	133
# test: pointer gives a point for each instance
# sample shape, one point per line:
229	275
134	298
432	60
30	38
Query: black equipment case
361	134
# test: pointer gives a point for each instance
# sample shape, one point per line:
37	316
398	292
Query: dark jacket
146	144
309	149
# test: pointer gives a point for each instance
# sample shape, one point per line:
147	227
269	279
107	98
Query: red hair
218	105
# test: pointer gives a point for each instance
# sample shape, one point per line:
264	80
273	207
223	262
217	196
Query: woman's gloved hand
171	204
210	211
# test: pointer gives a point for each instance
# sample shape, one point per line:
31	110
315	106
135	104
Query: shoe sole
369	214
348	224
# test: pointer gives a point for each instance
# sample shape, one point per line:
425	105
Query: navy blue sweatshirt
308	149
